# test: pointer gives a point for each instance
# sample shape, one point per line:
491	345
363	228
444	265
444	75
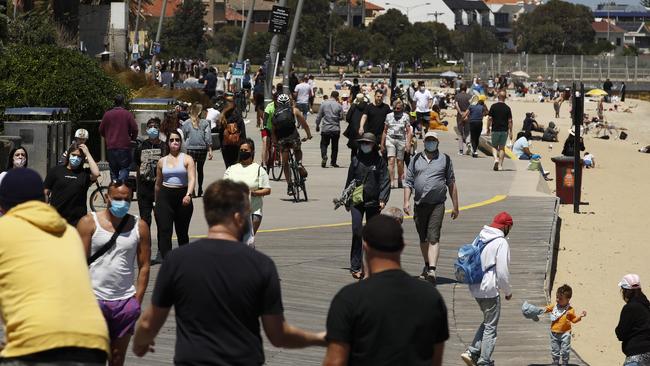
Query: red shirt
118	128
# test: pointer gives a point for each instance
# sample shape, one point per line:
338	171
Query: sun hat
81	133
501	220
368	137
431	134
630	281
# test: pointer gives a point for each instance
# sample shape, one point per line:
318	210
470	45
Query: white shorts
395	147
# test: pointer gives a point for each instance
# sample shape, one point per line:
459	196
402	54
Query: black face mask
398	115
245	155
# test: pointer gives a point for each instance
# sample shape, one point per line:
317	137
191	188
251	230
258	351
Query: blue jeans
485	339
119	161
560	347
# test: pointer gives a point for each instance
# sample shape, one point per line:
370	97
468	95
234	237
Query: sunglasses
174	140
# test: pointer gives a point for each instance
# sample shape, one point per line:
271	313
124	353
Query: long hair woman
232	131
66	186
175	179
198	141
254	176
633	328
17	159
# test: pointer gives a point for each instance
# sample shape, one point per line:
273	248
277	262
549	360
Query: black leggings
230	155
475	129
170	211
199	157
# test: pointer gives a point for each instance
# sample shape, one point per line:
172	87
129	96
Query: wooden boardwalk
313	266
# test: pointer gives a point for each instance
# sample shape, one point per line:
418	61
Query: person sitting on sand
530	124
589	160
550	133
521	148
434	119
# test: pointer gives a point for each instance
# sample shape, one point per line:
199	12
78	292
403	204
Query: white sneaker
467	358
431	276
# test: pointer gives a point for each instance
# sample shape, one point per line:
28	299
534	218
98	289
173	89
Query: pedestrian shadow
441	280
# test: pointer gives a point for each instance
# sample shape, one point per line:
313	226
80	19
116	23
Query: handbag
106	247
357	194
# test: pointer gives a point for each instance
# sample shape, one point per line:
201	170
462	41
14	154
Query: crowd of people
221	288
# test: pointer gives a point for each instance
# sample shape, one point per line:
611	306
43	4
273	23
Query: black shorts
258	99
422	116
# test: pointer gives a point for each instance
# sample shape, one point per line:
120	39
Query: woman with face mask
175	179
66	186
198	141
369	169
17	159
254	176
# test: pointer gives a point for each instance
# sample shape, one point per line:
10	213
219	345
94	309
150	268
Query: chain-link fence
563	67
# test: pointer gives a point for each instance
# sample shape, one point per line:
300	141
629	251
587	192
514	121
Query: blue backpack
468	267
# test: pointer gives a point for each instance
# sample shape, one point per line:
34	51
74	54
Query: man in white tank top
113	274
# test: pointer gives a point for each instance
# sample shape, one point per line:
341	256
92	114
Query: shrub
49	76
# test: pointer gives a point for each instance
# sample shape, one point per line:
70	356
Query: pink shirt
118	128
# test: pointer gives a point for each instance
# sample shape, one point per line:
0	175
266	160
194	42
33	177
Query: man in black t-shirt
374	117
500	126
390	318
220	288
210	83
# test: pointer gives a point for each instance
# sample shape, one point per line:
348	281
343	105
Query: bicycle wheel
295	182
276	164
97	200
303	188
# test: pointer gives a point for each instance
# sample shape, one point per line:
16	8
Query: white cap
630	281
81	133
431	134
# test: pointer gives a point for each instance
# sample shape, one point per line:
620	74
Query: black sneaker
399	184
323	163
334	165
290	191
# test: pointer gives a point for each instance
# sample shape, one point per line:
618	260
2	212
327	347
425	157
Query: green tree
47	75
184	35
474	39
257	47
391	24
228	39
569	24
316	24
438	35
32	29
629	50
349	40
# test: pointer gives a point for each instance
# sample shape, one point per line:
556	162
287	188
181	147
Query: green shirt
270	111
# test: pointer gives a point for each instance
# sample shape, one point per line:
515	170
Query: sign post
279	22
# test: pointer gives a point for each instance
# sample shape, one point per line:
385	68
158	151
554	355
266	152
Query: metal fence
562	67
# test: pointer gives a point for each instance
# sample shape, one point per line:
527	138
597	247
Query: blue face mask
431	146
75	161
153	133
119	208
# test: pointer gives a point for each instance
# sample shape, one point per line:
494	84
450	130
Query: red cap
501	220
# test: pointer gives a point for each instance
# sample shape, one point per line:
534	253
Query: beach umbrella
521	74
348	82
449	74
596	92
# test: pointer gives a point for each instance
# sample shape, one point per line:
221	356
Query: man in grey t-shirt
462	117
430	174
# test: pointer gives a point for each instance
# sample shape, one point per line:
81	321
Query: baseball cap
19	186
501	220
384	233
630	281
431	134
482	98
368	137
81	133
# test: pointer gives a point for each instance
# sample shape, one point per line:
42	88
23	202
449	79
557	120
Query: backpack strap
111	242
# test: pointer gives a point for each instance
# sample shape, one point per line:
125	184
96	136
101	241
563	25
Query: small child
562	316
589	161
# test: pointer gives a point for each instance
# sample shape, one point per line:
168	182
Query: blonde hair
397	102
195	113
395	213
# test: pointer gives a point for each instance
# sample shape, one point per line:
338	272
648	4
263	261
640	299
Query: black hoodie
634	326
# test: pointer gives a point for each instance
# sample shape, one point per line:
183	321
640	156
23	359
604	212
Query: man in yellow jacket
47	303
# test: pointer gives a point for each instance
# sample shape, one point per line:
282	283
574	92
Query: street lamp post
408	8
436	14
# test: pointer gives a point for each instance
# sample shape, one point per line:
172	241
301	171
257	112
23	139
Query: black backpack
283	122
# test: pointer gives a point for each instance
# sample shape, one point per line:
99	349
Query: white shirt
422	100
303	91
496	257
254	176
520	144
113	274
212	115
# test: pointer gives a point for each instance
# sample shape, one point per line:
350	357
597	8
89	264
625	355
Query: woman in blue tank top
175	179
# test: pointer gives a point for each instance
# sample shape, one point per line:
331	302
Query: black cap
384	234
19	186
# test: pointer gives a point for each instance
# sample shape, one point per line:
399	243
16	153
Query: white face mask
366	148
431	146
19	162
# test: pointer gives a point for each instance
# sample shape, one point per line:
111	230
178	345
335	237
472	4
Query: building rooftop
602	27
155	8
631	26
466	5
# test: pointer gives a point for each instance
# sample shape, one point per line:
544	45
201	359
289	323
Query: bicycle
297	181
274	163
242	103
97	200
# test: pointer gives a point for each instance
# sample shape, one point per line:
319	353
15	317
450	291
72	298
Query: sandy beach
609	238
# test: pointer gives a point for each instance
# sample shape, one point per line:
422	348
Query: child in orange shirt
562	316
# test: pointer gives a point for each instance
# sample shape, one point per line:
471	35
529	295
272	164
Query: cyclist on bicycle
285	132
